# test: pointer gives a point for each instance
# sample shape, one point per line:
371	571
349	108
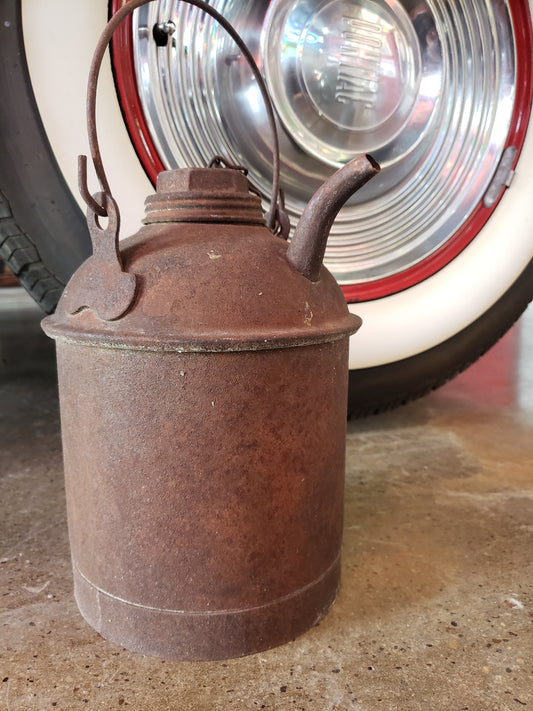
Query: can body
204	493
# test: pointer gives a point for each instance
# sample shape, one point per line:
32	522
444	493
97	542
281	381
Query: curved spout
308	244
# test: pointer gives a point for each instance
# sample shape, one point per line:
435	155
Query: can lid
203	195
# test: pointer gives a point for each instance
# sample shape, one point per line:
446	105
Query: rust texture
210	285
203	382
203	435
308	245
100	283
205	494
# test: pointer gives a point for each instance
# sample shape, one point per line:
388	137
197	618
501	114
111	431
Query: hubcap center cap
345	78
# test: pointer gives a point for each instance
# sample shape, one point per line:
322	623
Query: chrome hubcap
427	87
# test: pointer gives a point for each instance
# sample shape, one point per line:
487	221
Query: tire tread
22	257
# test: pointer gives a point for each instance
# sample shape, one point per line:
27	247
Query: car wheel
436	253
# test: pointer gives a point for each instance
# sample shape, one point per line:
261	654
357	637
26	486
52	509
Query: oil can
203	369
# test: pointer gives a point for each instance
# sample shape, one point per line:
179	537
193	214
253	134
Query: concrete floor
436	605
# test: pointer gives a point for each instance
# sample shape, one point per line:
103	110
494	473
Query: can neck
203	195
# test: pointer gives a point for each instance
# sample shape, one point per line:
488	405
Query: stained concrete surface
436	605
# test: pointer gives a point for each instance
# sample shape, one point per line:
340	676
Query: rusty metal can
203	371
203	437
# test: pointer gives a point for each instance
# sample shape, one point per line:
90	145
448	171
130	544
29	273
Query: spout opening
373	162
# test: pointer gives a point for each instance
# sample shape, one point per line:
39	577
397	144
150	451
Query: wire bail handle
275	219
